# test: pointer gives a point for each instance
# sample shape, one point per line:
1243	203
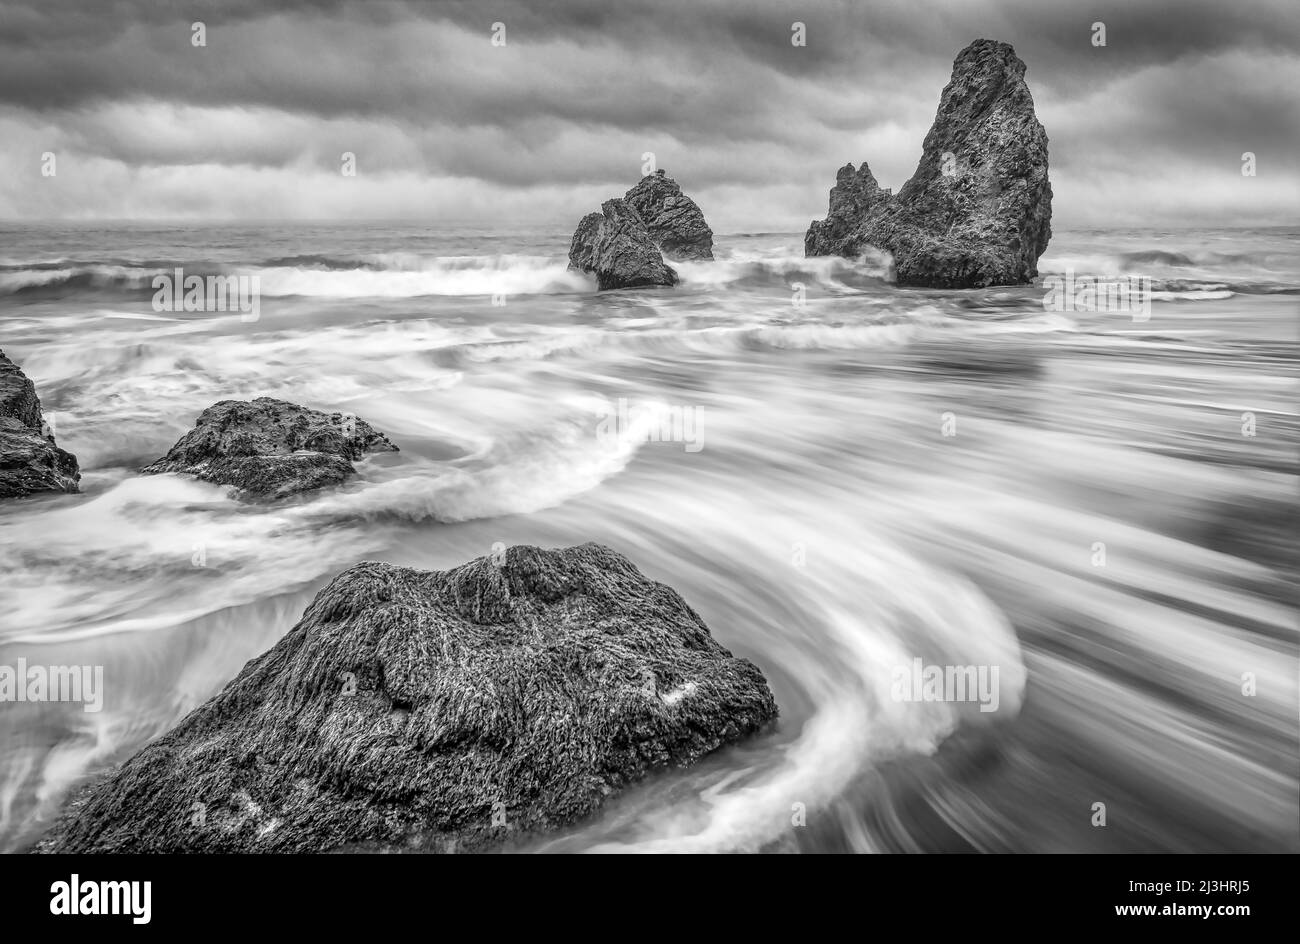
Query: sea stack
625	245
615	245
675	222
978	209
30	460
270	449
435	710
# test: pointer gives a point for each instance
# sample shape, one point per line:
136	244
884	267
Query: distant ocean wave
319	276
1190	274
1176	274
388	275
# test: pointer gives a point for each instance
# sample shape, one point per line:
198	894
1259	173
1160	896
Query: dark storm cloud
583	88
58	53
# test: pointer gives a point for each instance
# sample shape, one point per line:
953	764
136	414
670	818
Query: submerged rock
978	209
30	461
675	222
616	245
479	705
270	449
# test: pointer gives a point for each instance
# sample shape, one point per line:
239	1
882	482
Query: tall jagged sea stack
978	209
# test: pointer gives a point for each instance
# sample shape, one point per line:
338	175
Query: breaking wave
399	275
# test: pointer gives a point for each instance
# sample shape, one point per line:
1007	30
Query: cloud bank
1149	129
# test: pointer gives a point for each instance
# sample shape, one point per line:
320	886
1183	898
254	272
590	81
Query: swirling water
1104	508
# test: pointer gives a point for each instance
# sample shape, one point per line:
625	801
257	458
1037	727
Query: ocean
841	476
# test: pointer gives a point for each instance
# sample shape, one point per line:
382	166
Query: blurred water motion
1104	509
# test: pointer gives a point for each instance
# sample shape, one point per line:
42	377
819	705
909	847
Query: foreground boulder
29	459
616	246
270	449
412	708
675	222
978	210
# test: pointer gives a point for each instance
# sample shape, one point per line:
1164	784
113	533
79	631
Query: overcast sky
1148	130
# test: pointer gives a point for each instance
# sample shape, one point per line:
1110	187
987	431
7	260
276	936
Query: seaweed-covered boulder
466	708
30	460
978	209
673	219
270	449
617	247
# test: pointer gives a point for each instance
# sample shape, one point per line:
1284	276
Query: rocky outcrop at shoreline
615	245
30	460
853	199
460	709
270	449
625	244
978	209
675	222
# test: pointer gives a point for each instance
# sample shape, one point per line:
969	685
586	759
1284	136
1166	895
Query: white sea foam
829	528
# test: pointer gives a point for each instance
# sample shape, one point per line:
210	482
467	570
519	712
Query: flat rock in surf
674	220
978	209
464	709
271	449
30	461
616	245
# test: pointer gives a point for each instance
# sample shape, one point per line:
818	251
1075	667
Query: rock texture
270	449
616	245
978	210
853	198
410	708
675	223
29	459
